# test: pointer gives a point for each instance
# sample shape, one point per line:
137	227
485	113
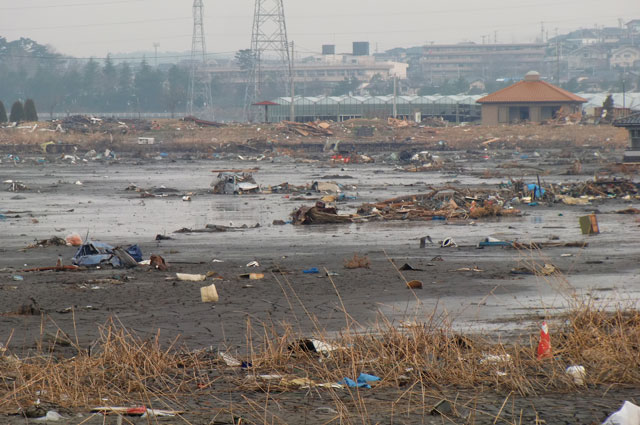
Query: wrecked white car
234	184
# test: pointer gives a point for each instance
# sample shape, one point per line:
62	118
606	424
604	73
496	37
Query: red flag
544	347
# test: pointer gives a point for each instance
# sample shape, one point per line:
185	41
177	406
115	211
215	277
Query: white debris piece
578	373
629	414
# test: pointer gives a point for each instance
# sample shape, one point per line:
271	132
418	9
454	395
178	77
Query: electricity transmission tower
199	82
269	36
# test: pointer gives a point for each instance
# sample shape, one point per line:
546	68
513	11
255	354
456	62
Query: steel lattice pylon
269	35
199	81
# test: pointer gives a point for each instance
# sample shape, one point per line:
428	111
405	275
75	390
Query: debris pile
396	123
600	188
157	192
305	129
437	205
203	123
15	186
319	214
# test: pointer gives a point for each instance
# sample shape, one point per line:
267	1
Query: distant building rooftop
532	90
630	121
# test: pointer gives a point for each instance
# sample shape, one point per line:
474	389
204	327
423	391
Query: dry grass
418	363
120	367
357	262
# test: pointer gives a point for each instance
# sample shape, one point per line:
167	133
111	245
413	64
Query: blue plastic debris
3	217
362	381
17	278
313	270
538	192
350	383
485	244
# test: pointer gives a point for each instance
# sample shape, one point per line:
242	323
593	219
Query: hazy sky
96	27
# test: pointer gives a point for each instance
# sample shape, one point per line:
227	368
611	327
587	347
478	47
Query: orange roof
532	92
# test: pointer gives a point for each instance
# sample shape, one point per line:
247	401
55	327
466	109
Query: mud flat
467	290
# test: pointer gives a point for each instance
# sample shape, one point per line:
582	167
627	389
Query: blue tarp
93	254
537	190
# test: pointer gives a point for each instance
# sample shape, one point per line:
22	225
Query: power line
136	22
99	59
57	6
316	16
106	24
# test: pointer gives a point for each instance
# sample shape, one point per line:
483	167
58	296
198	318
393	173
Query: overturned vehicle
95	254
228	183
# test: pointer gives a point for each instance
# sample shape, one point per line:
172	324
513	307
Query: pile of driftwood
431	206
306	129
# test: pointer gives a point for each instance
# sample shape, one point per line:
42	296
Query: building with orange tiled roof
530	100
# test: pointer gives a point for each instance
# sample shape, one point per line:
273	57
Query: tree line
29	70
66	86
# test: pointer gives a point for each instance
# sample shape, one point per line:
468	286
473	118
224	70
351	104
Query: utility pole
624	91
292	111
395	96
557	58
269	35
199	82
155	46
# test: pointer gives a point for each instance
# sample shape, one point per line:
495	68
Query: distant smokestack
361	48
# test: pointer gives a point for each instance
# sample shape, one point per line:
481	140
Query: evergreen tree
109	84
3	113
608	104
46	84
71	88
347	86
148	88
17	112
175	91
30	113
125	88
90	84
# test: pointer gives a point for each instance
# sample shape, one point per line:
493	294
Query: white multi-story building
625	57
